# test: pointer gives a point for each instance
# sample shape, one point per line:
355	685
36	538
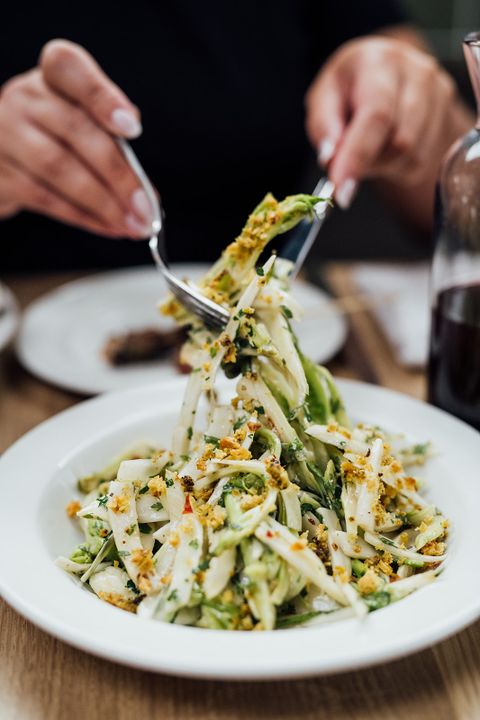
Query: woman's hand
57	155
382	108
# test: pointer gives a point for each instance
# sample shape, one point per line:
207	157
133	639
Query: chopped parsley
169	482
213	351
287	312
212	440
131	586
260	410
157	505
189	432
102	500
143	490
238	423
131	529
145	528
194	544
173	596
260	271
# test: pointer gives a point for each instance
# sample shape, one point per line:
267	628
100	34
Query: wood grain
44	679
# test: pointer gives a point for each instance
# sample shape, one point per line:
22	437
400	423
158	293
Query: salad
277	510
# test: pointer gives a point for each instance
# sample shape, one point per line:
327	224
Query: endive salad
276	510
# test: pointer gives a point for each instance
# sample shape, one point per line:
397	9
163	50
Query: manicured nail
137	228
126	123
142	206
325	151
346	193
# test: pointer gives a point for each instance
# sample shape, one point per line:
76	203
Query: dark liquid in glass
454	371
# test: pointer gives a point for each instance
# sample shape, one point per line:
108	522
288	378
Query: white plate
9	316
63	333
37	479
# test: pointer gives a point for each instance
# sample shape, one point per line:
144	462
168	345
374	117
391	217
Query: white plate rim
181	666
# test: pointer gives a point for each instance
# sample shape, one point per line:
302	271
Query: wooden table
43	678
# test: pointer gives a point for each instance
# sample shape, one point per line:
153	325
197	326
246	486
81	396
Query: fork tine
210	312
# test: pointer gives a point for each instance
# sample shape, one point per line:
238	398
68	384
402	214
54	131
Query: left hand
380	108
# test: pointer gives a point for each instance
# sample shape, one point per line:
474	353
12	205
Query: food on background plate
275	512
137	346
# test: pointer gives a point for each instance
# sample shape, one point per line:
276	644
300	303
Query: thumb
325	114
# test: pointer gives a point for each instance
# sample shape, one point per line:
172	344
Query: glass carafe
454	367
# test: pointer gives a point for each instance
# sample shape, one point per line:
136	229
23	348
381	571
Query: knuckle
16	86
360	157
56	55
52	160
429	66
76	123
381	115
41	197
403	143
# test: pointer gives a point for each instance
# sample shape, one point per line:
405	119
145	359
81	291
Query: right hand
57	153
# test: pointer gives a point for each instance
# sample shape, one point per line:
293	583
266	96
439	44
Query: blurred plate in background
63	333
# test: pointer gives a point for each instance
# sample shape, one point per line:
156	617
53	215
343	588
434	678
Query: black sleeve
342	21
361	17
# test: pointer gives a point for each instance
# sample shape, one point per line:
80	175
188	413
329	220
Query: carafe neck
471	49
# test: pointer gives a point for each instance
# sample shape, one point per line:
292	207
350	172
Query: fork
210	313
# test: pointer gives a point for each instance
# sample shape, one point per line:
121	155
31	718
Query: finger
33	195
52	164
399	155
373	119
432	138
423	114
71	71
326	113
93	146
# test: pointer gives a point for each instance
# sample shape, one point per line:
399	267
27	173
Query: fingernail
325	151
142	206
126	123
139	229
346	193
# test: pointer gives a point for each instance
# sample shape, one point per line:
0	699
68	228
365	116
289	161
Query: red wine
454	369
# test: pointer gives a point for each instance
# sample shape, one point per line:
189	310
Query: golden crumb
143	559
230	354
240	453
240	434
119	601
72	508
341	574
251	501
278	475
369	582
227	596
120	503
352	473
213	516
299	544
157	486
174	538
385	564
433	548
226	443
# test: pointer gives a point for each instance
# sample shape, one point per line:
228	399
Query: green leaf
377	600
212	440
